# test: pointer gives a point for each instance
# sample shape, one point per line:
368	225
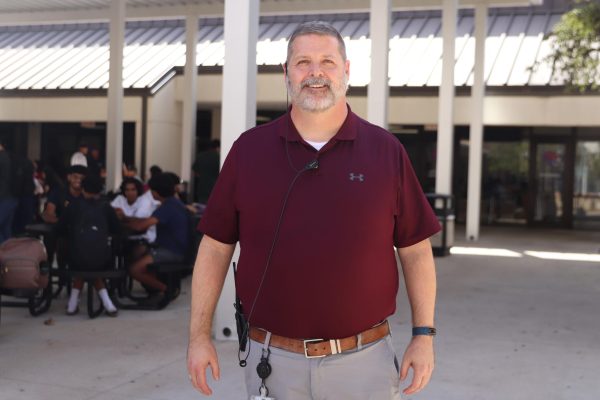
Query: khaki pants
370	373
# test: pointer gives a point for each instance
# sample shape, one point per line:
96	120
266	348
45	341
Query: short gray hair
316	28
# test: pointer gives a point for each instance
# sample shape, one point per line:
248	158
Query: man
59	198
206	170
318	199
132	203
87	224
80	156
94	163
8	203
23	187
172	239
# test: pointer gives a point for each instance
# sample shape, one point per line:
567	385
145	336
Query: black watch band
424	330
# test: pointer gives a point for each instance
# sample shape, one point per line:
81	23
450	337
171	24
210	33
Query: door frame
568	179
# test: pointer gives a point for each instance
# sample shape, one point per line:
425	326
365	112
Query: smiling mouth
316	86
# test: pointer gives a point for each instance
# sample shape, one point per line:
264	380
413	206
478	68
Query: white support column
114	125
445	135
476	129
188	135
238	114
378	90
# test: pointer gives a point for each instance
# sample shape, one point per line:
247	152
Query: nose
315	70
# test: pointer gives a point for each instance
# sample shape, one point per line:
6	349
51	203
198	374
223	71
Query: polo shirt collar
347	131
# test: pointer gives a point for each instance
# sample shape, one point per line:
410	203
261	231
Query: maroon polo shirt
333	270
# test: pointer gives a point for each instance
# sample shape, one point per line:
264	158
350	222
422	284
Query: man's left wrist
424	331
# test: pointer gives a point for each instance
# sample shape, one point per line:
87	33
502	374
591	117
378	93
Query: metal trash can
443	206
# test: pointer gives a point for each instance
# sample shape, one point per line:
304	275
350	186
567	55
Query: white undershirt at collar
317	145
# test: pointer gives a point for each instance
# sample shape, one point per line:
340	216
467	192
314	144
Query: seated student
88	224
171	220
132	203
180	187
59	198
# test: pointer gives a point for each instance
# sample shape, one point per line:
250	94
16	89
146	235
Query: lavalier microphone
314	164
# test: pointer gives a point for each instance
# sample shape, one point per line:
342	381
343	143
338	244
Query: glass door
552	199
586	196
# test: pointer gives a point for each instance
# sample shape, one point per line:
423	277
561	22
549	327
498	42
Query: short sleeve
117	202
220	218
162	213
54	197
414	220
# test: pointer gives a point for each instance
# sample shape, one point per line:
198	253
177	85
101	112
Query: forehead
313	44
130	186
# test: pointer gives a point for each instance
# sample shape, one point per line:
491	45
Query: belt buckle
306	349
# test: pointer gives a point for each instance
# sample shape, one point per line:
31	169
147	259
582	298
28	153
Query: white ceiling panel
508	51
534	36
76	56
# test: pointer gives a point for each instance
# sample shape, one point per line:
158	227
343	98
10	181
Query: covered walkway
512	326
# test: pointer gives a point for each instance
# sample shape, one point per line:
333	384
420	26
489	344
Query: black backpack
89	242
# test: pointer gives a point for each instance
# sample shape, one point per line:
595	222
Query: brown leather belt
312	348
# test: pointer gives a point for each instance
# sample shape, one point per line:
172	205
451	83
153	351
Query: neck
74	192
319	126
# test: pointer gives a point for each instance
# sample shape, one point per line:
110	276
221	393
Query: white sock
73	300
106	301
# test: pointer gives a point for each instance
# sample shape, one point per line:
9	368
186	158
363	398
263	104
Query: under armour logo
357	177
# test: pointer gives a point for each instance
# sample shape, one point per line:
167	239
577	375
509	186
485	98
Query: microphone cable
311	165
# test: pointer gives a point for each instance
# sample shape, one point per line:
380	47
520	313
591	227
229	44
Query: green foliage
507	157
576	46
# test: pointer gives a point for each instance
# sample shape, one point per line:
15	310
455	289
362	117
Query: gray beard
317	104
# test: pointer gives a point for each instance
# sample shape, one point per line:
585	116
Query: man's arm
210	270
419	275
139	224
49	214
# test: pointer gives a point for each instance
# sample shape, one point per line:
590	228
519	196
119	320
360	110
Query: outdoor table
40	229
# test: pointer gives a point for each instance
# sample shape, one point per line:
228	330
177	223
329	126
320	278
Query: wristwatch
424	330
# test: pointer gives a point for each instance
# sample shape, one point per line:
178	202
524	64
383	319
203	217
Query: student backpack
89	241
20	260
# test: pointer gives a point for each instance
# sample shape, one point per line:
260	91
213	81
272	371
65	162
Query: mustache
315	81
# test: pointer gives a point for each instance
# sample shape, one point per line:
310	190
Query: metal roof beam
215	9
53	17
277	7
102	15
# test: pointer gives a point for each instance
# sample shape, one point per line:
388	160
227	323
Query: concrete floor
509	328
